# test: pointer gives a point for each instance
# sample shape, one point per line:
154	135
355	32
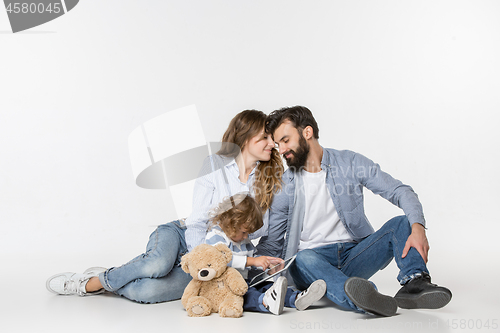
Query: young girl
232	221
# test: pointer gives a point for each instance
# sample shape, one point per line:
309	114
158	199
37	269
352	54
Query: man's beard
299	158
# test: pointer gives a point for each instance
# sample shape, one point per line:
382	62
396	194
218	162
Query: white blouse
210	189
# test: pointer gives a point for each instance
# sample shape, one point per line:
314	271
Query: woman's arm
203	194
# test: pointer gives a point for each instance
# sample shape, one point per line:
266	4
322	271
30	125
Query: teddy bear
215	287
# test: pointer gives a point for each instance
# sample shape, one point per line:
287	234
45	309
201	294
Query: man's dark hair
299	116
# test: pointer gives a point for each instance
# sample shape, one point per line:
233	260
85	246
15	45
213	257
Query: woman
155	276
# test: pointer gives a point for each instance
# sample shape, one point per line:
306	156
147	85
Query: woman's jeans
154	276
335	263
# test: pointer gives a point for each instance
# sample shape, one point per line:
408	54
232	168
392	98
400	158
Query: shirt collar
325	159
234	165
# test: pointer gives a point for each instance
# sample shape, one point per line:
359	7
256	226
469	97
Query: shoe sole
283	287
365	296
431	300
315	292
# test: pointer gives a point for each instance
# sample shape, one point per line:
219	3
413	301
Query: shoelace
302	293
73	286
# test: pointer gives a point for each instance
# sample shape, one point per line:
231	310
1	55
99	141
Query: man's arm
262	231
379	182
272	244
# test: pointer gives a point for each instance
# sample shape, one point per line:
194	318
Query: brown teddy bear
215	286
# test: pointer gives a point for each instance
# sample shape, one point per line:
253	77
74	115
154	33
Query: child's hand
275	261
278	264
262	261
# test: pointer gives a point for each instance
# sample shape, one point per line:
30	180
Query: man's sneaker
274	297
312	294
73	283
420	293
365	296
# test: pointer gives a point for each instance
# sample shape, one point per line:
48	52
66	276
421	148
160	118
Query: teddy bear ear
184	263
228	254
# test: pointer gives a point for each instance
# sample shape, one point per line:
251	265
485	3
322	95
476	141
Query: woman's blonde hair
235	212
244	126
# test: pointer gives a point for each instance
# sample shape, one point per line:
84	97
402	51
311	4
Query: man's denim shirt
347	173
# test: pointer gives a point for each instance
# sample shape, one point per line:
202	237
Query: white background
413	85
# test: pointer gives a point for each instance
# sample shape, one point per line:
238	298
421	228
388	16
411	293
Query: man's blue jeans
335	263
154	276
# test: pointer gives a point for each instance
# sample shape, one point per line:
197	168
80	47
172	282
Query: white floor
28	307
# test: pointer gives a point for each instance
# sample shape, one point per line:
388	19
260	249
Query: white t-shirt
322	225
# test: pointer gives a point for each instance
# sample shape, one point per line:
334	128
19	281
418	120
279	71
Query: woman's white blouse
210	189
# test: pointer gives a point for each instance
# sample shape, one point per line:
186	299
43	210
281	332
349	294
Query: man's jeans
154	276
335	263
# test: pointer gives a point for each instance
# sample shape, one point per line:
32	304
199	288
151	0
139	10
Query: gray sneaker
73	283
312	294
365	296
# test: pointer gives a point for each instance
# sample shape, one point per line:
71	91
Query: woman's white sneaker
73	283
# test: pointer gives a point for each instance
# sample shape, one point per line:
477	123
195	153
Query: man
319	215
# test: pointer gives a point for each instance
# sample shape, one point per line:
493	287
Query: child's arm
263	261
216	236
242	254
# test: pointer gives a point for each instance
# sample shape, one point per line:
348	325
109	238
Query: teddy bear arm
191	290
235	282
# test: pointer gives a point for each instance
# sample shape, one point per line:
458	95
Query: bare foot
93	284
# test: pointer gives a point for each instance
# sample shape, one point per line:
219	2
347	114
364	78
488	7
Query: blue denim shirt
347	173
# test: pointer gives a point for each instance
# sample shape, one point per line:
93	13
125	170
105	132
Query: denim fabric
154	276
335	263
347	174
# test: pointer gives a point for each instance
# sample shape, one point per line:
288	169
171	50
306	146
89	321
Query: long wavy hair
244	126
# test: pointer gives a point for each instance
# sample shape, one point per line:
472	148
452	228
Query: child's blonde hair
235	212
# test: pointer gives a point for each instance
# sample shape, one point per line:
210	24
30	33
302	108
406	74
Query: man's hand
418	240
